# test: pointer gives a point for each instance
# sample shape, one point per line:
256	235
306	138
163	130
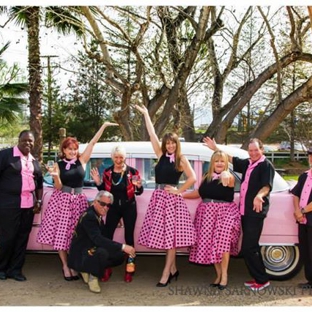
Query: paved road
45	286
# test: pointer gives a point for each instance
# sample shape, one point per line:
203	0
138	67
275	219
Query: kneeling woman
217	219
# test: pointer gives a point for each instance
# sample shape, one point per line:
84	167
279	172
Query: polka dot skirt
217	228
167	223
60	219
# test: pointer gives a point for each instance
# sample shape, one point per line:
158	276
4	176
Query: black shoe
175	275
67	278
18	277
222	287
307	285
75	277
214	285
3	276
159	284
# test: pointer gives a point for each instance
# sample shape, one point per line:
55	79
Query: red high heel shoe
107	274
128	277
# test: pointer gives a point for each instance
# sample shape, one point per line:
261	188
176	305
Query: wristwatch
303	211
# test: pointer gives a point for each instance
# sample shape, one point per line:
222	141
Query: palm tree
30	16
11	93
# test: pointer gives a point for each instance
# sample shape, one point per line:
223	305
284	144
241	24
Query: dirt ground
45	286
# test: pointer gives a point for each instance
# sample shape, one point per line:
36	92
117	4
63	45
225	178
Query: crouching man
90	251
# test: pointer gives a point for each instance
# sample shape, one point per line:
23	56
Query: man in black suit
90	251
21	187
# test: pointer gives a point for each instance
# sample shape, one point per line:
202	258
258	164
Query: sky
60	48
53	44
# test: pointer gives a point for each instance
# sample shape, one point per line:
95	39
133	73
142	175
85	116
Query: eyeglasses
103	204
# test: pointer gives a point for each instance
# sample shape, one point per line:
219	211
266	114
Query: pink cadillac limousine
279	238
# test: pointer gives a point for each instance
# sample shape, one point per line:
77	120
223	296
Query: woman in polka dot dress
67	201
167	223
217	219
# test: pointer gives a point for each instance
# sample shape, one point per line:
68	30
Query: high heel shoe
128	277
67	278
159	284
107	274
74	275
214	285
222	287
175	275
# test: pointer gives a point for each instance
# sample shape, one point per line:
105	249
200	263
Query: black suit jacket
88	236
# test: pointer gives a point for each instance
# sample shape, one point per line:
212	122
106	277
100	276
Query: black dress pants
125	210
252	228
305	248
96	263
15	226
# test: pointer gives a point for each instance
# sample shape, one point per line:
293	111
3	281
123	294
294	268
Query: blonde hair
118	150
215	157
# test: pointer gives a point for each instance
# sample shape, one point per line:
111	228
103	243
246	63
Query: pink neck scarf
305	194
69	163
215	176
171	157
244	185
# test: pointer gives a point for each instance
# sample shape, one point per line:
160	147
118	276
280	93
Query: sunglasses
103	204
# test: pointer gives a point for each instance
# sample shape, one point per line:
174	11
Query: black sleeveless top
165	172
215	190
72	177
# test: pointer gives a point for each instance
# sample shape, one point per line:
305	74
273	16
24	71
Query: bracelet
302	211
123	246
39	201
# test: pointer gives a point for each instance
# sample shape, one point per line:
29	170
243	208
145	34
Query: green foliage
53	117
91	101
291	177
82	111
12	92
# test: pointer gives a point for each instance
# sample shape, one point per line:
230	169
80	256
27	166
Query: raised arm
85	156
211	143
150	129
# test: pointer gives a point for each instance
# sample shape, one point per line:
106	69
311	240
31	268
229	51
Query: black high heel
67	278
222	287
159	284
214	285
74	277
175	275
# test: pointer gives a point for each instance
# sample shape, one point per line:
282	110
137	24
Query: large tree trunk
300	95
218	129
35	87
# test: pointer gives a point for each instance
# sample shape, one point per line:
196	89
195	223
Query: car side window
100	164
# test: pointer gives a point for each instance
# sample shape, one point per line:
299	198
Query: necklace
120	179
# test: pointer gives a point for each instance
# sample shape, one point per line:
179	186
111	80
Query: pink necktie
171	157
69	162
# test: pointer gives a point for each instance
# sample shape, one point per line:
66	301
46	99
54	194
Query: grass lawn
290	177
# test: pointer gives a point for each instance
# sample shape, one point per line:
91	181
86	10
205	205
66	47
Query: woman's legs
63	257
224	268
217	267
170	264
129	216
